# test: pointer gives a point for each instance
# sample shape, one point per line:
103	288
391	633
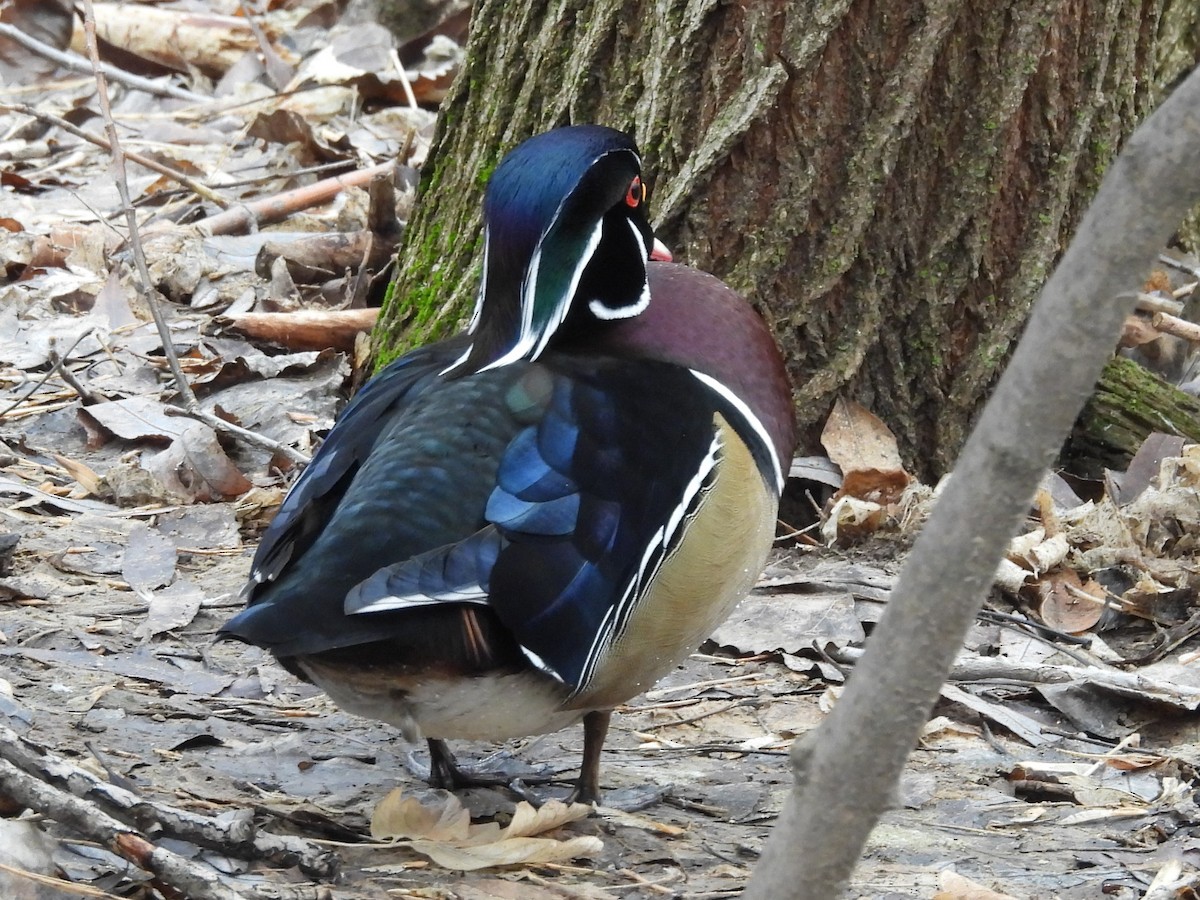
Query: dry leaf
84	475
196	467
440	816
511	852
952	886
527	821
866	450
629	820
1066	604
439	827
149	560
134	419
170	609
763	623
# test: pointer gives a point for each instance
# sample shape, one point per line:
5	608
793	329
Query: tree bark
888	183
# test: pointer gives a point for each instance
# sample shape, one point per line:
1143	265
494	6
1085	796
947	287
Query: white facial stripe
528	344
637	236
482	284
751	419
564	305
608	313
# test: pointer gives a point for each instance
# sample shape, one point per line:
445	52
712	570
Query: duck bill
660	252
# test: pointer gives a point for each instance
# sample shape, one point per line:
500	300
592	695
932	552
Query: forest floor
1061	762
219	728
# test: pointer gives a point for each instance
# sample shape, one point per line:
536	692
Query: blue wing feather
628	454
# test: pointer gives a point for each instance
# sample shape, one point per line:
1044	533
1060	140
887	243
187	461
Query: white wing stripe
751	419
656	553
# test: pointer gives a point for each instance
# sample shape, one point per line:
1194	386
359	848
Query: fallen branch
1170	324
239	838
245	216
84	818
305	329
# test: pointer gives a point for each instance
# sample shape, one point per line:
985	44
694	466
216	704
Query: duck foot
446	773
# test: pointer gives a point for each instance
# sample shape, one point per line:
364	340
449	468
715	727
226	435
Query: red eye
636	193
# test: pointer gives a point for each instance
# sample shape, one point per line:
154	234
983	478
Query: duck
526	525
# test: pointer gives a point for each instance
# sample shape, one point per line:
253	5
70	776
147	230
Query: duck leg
595	730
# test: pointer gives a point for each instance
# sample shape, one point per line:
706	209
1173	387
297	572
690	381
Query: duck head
565	232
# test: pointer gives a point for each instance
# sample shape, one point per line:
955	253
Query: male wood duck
532	522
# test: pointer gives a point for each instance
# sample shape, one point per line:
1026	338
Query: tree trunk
888	183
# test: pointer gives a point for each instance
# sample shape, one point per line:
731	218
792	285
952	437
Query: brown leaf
866	450
439	827
1137	331
84	475
195	466
510	852
1068	605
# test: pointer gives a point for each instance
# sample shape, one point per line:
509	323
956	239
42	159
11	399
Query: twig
250	437
46	377
238	838
79	64
58	364
58	887
689	720
277	70
1179	264
135	240
404	82
1153	303
153	165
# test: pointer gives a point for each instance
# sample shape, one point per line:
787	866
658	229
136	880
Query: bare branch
250	437
847	775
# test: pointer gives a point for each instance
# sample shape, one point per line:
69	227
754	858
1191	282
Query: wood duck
530	523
